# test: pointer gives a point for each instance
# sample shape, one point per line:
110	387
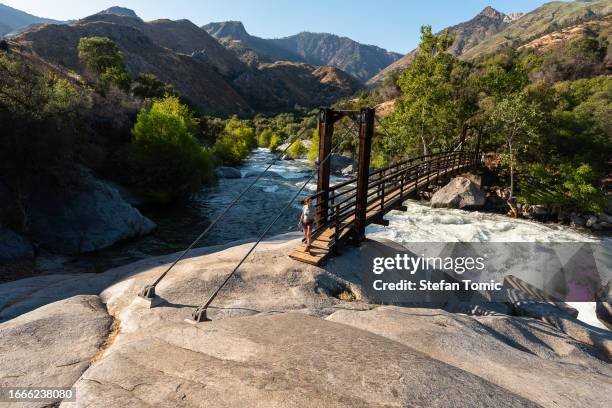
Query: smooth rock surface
279	360
13	246
522	355
460	193
89	217
53	345
228	172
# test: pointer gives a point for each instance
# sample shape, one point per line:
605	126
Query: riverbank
261	339
178	225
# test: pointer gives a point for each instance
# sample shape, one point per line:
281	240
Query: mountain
467	35
361	61
545	19
178	52
13	20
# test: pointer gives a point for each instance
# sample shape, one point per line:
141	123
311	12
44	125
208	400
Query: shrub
236	142
313	151
116	76
99	54
166	157
296	150
263	140
275	141
149	86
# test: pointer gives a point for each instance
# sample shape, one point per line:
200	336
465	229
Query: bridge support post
326	131
366	133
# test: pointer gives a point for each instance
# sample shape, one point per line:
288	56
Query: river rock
338	162
591	220
522	355
603	308
53	345
269	174
577	221
228	172
348	170
459	193
13	246
84	218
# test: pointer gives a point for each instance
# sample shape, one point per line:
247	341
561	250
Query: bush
117	77
263	140
296	150
99	54
235	143
313	151
275	141
149	86
167	159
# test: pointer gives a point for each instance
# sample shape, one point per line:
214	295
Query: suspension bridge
345	209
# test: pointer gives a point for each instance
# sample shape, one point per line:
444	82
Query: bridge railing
387	187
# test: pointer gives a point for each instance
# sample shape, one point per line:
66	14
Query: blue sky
391	24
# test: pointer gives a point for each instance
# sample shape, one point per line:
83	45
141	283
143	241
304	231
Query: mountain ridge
360	60
180	53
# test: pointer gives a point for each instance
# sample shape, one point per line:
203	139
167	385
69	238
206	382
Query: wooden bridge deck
324	242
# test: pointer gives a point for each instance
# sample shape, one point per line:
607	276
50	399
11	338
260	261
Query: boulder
129	196
287	157
603	308
53	345
269	174
348	170
577	221
228	172
521	355
591	220
84	218
605	218
13	246
338	162
459	193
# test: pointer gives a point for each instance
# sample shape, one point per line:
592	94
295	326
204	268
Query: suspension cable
149	290
199	315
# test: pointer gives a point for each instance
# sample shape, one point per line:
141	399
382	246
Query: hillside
595	28
178	52
13	20
361	61
545	19
467	35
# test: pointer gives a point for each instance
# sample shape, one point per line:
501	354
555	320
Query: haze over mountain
13	20
360	60
491	29
200	68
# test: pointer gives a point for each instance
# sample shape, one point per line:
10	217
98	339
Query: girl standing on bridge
307	220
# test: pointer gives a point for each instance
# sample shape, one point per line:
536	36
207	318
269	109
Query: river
181	223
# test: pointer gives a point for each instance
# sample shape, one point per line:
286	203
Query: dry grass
112	335
347	296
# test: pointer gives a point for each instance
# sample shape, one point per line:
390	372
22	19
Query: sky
390	24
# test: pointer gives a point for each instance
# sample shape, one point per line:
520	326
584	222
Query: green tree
166	157
236	142
313	151
296	150
99	54
263	140
148	86
102	57
275	141
516	120
435	100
